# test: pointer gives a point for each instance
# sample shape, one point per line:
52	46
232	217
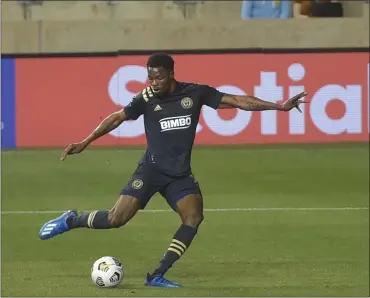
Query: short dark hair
161	60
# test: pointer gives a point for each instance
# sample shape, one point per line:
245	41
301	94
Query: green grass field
264	252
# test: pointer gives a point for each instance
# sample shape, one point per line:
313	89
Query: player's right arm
108	124
130	112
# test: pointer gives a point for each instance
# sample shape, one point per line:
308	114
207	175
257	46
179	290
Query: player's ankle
153	275
156	273
70	221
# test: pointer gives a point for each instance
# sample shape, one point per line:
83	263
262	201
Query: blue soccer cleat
160	281
56	226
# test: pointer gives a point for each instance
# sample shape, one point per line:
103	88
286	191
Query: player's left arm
251	103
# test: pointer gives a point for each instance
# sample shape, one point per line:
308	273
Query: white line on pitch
213	210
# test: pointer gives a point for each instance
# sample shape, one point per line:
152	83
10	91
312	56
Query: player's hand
294	102
73	149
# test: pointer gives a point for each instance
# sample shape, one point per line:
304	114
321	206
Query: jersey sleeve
211	96
135	108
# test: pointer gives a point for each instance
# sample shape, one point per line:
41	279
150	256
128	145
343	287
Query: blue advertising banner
8	103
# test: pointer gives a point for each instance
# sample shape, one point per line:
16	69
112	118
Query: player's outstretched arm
251	103
108	124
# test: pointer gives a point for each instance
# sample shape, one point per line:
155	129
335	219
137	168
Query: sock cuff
90	219
178	246
182	239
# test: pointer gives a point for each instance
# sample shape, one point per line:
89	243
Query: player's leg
125	208
185	197
133	197
190	209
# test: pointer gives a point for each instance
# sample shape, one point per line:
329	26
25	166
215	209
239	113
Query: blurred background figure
267	9
188	7
320	8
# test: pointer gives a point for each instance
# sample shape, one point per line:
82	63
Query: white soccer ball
107	272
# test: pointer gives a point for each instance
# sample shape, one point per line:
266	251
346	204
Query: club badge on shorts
186	102
137	184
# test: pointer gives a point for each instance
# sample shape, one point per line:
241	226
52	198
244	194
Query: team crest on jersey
137	184
186	102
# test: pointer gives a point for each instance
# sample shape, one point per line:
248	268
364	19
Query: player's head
160	68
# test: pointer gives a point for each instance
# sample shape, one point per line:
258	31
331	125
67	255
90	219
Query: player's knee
125	208
193	219
117	219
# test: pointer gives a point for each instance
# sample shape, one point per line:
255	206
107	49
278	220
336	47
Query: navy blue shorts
146	181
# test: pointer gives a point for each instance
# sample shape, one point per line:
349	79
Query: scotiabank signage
61	100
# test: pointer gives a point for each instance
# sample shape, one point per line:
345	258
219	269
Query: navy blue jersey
170	124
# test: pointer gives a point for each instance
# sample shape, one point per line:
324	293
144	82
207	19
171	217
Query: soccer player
171	112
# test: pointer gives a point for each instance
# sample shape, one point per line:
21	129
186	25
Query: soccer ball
107	272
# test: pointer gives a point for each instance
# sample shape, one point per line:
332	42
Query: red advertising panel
61	100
